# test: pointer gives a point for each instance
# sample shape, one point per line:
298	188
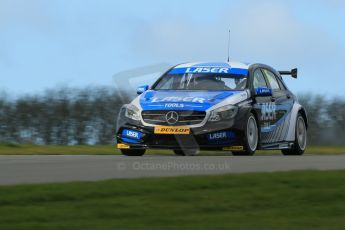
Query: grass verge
13	149
285	200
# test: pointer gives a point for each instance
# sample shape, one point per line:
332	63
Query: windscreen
200	81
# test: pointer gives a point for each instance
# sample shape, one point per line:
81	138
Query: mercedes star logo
171	117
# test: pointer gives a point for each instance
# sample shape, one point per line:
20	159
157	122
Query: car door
277	110
261	103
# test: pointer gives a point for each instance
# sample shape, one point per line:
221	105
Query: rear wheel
251	137
186	152
133	152
300	143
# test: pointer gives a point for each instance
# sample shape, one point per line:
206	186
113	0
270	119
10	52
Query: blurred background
59	59
67	66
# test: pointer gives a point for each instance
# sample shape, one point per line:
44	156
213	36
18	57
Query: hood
182	100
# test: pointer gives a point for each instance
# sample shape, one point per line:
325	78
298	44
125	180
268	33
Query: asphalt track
50	169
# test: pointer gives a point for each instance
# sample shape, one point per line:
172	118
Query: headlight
132	112
223	113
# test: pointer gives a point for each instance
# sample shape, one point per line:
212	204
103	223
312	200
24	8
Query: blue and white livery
229	106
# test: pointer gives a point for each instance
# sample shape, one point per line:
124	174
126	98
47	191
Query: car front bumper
223	135
199	138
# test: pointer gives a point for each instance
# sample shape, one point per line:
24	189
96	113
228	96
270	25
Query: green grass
287	200
13	149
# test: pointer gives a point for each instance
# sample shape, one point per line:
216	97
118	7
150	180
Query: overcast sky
44	43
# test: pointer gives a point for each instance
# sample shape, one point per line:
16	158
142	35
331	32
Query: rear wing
293	73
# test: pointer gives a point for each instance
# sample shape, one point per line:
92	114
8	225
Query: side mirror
263	92
142	89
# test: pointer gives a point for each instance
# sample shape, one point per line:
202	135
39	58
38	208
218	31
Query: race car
228	106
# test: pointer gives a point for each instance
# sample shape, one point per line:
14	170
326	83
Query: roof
238	65
237	68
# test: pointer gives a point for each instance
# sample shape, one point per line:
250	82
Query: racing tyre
251	141
300	143
186	152
133	152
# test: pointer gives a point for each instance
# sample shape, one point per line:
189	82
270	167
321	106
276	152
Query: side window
259	79
272	80
281	84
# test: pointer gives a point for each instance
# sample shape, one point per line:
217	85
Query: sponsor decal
123	146
183	100
268	114
131	134
221	135
234	148
179	99
174	105
209	70
268	111
263	90
171	130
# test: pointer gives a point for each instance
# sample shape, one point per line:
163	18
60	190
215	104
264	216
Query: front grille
158	117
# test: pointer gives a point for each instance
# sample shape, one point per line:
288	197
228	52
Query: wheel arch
246	113
256	115
296	109
304	115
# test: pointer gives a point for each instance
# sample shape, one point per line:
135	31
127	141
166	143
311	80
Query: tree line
70	116
65	116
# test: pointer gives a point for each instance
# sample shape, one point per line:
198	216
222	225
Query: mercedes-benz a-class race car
227	106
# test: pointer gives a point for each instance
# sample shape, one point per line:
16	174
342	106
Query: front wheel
133	152
251	137
300	143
